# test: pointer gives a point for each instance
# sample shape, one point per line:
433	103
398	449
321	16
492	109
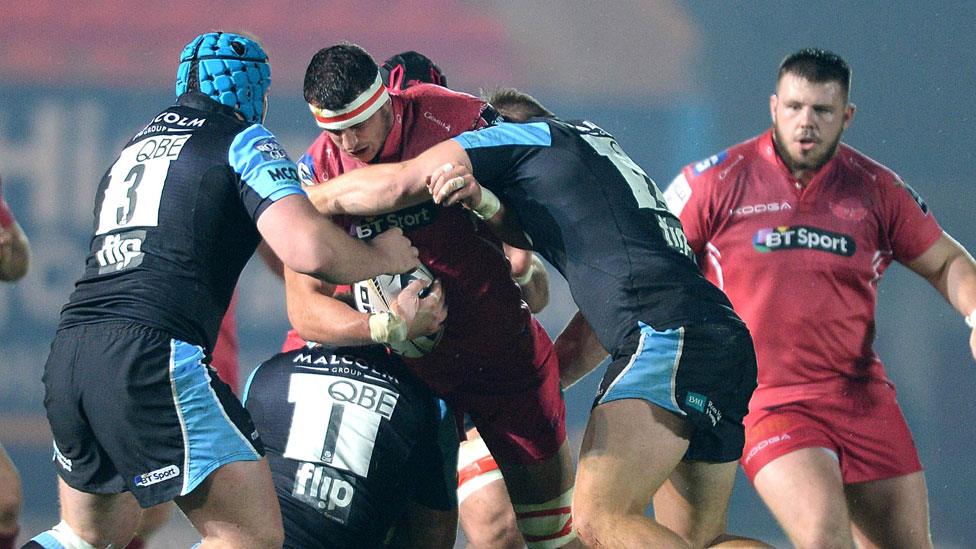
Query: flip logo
120	251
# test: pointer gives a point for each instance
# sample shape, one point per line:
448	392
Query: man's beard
796	165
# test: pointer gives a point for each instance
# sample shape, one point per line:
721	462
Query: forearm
319	317
370	190
578	350
959	286
531	276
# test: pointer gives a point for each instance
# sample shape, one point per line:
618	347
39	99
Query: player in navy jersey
356	444
667	420
137	416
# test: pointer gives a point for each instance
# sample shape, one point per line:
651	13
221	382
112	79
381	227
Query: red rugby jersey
485	305
801	266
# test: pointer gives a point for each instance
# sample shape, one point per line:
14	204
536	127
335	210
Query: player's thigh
236	504
804	491
629	450
893	512
694	501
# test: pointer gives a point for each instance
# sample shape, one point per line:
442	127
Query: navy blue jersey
351	437
595	215
175	220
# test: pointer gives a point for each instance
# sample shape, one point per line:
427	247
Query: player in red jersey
495	361
14	263
798	228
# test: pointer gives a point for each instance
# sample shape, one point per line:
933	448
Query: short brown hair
516	106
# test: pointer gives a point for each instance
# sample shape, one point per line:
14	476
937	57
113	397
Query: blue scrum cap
230	68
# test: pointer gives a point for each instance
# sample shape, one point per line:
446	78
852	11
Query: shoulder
873	174
451	110
863	167
725	163
320	161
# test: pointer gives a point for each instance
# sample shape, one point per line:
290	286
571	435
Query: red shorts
864	427
512	394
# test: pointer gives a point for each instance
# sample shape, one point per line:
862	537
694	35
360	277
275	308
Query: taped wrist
524	278
387	327
488	206
971	319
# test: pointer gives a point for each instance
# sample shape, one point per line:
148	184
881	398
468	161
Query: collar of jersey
203	102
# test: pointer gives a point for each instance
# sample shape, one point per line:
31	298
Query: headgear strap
358	110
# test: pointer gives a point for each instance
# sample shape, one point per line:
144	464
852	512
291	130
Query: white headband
358	110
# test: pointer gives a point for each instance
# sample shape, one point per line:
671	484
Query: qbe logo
159	475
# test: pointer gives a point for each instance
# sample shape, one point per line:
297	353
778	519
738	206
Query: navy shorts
133	409
703	372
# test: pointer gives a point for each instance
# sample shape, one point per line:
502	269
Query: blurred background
674	81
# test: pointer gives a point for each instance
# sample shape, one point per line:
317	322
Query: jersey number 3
135	183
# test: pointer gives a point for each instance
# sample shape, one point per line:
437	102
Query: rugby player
138	418
360	451
667	420
494	362
798	228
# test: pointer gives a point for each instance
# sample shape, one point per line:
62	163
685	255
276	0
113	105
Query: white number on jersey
136	182
336	420
645	192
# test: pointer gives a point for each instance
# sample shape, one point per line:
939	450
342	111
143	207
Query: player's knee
548	524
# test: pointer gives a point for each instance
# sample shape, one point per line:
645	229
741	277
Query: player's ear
773	101
849	114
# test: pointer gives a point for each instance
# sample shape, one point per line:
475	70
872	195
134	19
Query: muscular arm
531	275
317	316
14	253
372	190
578	350
309	243
951	270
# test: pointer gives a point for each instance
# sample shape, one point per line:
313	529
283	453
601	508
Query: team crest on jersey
270	149
915	196
803	238
849	209
714	160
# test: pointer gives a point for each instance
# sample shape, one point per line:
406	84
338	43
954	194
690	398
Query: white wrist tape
489	205
971	319
387	327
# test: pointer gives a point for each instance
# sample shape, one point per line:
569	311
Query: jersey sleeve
266	173
910	227
494	150
687	198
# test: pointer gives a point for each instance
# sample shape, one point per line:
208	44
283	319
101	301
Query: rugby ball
375	296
